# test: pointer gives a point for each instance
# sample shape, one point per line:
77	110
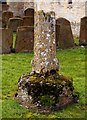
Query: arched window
69	1
3	1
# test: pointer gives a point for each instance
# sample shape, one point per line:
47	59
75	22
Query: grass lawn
72	63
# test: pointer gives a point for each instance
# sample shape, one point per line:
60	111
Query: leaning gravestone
6	41
14	23
44	89
28	21
83	31
6	15
25	39
64	37
29	12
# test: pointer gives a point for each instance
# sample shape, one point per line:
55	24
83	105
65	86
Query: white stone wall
73	12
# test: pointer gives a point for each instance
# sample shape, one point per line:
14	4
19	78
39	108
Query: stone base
47	92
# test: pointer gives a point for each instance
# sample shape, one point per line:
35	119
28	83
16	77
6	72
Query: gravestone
83	31
44	89
14	23
29	12
64	37
6	41
28	21
25	39
5	16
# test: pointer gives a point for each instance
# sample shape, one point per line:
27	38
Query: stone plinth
45	93
83	31
25	39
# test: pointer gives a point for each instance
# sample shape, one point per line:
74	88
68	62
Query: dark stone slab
29	12
25	39
6	15
6	40
28	21
64	37
14	23
83	31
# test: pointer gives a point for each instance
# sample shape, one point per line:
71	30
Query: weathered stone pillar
44	89
44	43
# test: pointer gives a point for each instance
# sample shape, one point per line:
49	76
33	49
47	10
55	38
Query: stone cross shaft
44	43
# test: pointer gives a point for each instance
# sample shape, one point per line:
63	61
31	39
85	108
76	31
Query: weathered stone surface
44	44
29	12
16	7
46	92
83	31
6	15
5	40
25	39
14	23
28	21
64	37
29	4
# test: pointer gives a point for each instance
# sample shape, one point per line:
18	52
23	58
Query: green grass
72	63
14	40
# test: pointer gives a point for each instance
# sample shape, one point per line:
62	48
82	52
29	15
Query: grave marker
6	41
83	31
14	23
28	21
6	15
64	37
25	39
29	12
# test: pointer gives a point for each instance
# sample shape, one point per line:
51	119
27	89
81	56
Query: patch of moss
47	88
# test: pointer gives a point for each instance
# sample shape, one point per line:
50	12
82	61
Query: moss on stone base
45	92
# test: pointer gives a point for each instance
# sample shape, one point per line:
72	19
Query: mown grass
72	63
